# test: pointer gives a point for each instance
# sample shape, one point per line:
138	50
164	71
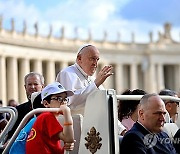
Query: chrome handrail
138	97
13	117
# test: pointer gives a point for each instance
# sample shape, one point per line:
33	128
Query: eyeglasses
174	102
60	99
177	103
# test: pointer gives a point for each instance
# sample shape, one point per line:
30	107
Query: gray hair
34	74
144	102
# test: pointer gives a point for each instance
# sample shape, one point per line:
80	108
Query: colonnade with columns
151	66
13	70
157	76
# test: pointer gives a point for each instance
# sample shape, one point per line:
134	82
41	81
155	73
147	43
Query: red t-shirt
40	139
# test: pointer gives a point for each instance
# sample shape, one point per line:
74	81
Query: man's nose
95	61
32	86
162	117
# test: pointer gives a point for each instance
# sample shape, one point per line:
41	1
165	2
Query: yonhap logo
150	140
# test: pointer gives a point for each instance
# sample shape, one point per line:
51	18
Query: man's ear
141	114
43	85
78	57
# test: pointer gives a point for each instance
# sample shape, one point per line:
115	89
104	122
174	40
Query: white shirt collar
81	70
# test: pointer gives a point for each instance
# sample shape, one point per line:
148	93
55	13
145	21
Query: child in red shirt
47	132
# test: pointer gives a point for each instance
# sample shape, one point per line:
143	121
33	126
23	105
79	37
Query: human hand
63	108
69	146
103	74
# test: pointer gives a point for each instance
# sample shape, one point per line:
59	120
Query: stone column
24	68
12	78
133	76
150	79
177	77
37	66
50	72
63	64
3	94
160	77
118	73
59	66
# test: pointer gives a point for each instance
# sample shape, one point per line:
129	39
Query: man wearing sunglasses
171	106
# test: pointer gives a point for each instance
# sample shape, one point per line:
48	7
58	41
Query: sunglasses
174	102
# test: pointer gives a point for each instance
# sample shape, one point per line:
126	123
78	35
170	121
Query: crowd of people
137	119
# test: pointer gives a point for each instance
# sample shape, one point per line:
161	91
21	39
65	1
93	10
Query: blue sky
112	16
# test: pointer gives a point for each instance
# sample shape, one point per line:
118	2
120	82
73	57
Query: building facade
150	66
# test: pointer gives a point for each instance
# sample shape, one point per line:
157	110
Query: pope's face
88	60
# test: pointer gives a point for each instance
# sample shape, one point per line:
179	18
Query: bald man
79	77
146	136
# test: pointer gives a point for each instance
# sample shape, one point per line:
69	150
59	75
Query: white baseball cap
54	88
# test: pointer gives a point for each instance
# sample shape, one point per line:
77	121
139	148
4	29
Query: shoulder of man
137	131
70	68
23	105
65	72
133	142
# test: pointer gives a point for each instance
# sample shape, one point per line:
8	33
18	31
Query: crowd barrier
13	117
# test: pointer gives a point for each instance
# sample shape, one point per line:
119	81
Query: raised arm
68	133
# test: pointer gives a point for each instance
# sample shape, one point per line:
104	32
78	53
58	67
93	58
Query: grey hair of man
34	74
144	102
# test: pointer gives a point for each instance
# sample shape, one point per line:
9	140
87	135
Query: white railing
13	117
138	97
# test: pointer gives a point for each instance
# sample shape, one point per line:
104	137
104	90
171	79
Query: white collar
81	71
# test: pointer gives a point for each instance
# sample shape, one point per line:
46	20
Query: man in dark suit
146	136
33	82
